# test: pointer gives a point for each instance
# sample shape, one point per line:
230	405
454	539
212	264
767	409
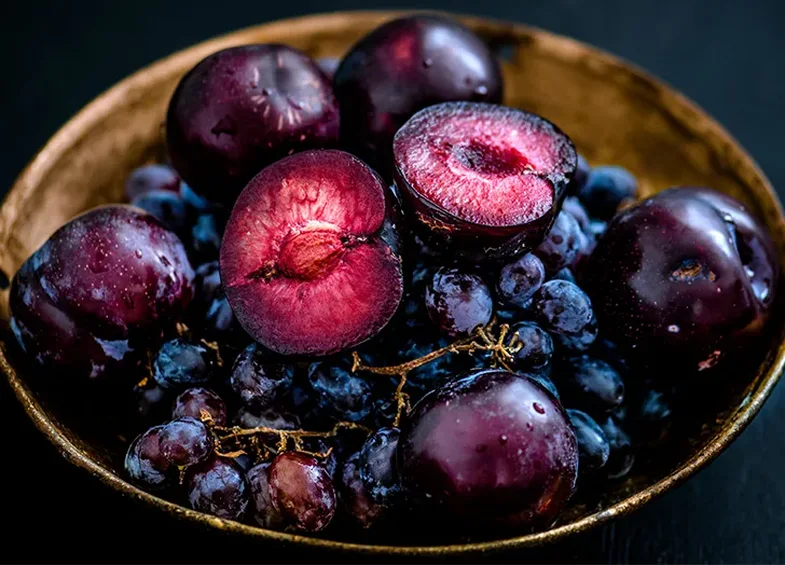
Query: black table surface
728	56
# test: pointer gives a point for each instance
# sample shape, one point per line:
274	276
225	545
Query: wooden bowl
613	111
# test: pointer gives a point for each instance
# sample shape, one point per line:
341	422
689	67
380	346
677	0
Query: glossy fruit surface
194	402
490	448
591	385
302	491
688	274
241	109
305	237
182	363
145	464
519	280
488	178
262	510
218	487
355	497
458	302
605	189
104	286
258	379
377	466
185	441
402	67
593	447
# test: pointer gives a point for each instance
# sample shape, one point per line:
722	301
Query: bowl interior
614	113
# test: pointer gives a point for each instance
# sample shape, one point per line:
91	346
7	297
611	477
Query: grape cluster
215	381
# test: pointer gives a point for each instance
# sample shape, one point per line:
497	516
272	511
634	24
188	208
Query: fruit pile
373	298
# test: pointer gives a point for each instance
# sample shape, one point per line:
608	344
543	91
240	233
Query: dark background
728	56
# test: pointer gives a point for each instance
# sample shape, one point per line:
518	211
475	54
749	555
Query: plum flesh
491	447
402	67
486	178
305	265
688	274
103	287
243	108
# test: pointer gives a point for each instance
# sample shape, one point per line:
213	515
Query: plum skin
688	273
104	286
243	108
402	67
491	448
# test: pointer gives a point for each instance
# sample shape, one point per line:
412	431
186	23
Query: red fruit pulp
483	170
305	267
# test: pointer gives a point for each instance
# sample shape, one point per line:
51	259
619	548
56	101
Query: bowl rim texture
687	114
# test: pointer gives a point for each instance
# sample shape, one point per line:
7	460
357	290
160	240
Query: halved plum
306	260
243	108
487	178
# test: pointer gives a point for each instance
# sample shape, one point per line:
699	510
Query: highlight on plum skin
305	265
486	178
243	108
104	287
490	448
402	67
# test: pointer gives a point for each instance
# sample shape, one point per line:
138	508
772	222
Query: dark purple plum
458	302
490	448
355	498
245	107
590	384
167	207
305	236
145	464
561	307
689	275
181	363
404	66
302	491
259	379
593	446
193	401
605	189
562	244
185	442
218	487
339	393
262	510
103	288
485	180
377	466
536	347
519	280
151	178
621	456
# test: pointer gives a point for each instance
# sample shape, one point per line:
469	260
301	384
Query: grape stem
502	354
